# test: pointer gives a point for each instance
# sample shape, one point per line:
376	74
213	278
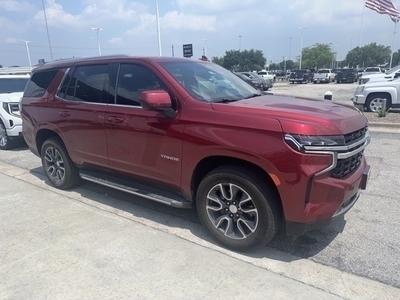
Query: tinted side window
39	82
132	81
86	83
90	83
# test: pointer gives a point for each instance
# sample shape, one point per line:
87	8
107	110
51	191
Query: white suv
11	90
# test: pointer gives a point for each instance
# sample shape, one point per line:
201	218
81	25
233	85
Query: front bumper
359	99
296	229
321	80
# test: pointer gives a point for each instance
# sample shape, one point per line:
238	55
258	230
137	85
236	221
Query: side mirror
396	75
157	100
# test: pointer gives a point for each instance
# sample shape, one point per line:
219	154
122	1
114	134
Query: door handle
64	114
117	120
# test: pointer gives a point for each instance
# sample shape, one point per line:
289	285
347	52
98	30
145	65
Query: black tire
5	142
239	210
374	102
57	164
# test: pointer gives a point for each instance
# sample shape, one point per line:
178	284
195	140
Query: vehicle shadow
136	208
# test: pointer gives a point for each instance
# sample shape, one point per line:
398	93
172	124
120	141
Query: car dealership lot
342	92
365	243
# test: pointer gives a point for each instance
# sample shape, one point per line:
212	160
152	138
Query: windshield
347	71
209	82
11	85
372	70
323	71
392	70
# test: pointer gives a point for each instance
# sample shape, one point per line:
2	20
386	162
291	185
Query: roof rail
15	70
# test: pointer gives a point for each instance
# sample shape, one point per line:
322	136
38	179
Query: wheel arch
389	93
208	164
43	135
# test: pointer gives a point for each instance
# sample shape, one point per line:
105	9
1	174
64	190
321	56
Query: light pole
205	47
27	51
290	48
158	29
97	29
301	44
333	55
240	43
47	29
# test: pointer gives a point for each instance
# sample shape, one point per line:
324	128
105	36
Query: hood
376	75
391	83
11	97
300	115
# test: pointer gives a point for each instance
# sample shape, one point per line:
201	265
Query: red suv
190	133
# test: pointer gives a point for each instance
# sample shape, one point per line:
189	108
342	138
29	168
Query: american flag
384	7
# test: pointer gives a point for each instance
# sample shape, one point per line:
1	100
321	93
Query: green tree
396	58
369	55
218	60
283	65
247	60
318	56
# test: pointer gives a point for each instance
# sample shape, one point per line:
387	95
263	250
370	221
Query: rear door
80	110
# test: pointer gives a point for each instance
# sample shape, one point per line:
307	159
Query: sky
211	26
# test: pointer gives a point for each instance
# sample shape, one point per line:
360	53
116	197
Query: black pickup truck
302	76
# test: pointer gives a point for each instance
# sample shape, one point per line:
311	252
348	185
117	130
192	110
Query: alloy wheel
54	164
232	211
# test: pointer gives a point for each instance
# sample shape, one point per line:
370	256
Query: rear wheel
5	142
57	164
239	211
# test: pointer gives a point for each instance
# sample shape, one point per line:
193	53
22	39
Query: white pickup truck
267	74
324	75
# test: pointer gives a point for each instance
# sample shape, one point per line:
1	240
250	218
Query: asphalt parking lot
342	92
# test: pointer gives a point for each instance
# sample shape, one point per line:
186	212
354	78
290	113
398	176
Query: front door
143	143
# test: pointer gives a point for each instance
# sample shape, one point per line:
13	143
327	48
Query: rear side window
39	83
87	83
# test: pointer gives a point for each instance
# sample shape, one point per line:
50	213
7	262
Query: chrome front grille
346	166
355	136
347	158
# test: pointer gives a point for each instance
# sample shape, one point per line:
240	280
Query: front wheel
375	102
239	211
5	142
57	164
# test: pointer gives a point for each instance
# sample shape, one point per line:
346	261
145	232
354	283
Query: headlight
300	142
11	108
364	80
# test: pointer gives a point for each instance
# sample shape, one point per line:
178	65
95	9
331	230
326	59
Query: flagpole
362	24
394	35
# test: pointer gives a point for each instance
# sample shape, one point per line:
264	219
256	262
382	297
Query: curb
384	127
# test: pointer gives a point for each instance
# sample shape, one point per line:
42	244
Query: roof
98	59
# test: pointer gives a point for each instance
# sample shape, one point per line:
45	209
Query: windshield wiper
253	96
225	100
